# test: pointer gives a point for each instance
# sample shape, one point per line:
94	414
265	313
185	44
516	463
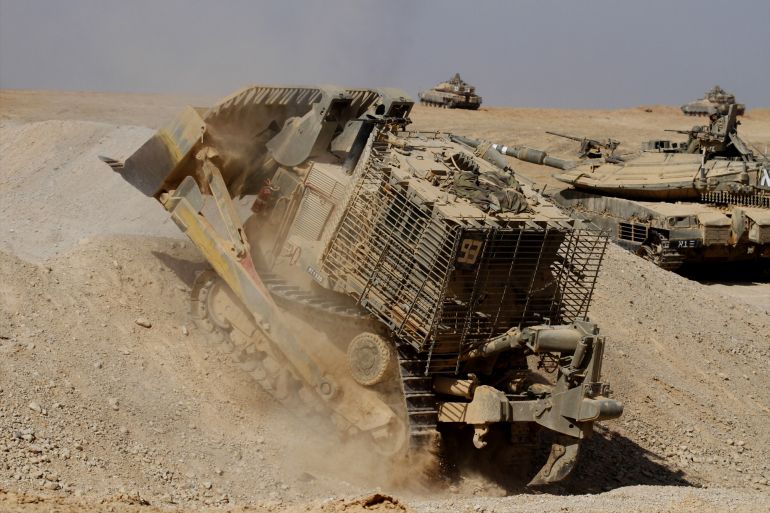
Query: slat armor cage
445	285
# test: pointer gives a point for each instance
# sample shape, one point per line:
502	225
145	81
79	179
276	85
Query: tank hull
673	234
701	108
715	101
665	176
452	94
450	100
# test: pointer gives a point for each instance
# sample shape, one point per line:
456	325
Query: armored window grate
443	287
632	232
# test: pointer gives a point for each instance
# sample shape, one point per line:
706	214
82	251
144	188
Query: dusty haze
592	54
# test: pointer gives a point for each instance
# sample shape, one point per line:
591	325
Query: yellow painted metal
159	164
182	133
363	409
226	208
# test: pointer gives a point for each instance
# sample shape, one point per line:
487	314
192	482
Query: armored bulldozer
715	101
455	93
396	283
702	200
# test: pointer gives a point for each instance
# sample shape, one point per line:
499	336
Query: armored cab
455	93
704	199
715	101
397	284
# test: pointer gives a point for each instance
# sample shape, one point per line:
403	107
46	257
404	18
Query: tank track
266	368
700	113
449	105
416	387
667	258
440	105
253	356
670	259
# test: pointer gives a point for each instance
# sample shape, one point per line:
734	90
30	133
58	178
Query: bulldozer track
254	355
264	365
416	386
289	295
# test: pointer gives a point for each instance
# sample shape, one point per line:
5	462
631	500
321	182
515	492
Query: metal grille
758	199
633	232
311	218
443	285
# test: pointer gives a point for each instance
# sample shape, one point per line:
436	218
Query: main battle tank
452	94
395	283
715	101
705	200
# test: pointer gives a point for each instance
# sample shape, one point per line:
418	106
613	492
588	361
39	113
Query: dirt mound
688	362
97	403
110	387
55	191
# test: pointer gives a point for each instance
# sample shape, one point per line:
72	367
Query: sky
533	53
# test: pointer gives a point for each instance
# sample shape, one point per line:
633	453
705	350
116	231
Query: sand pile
55	191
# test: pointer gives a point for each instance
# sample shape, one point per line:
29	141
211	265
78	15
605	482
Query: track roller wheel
370	359
648	253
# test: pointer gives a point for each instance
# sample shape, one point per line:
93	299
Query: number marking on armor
315	274
685	244
469	251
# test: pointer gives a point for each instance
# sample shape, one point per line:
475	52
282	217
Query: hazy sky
593	53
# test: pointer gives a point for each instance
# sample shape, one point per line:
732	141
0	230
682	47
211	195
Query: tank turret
715	101
455	93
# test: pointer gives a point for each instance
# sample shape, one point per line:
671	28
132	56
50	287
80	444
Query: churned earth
112	400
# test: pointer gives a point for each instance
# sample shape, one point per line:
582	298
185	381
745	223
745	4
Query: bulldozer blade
151	168
561	461
249	131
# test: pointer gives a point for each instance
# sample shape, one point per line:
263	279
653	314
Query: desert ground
100	413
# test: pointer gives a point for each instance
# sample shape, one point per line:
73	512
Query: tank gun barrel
565	136
534	156
590	147
493	154
489	154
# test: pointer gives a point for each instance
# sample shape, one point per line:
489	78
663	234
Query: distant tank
455	93
715	101
704	200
